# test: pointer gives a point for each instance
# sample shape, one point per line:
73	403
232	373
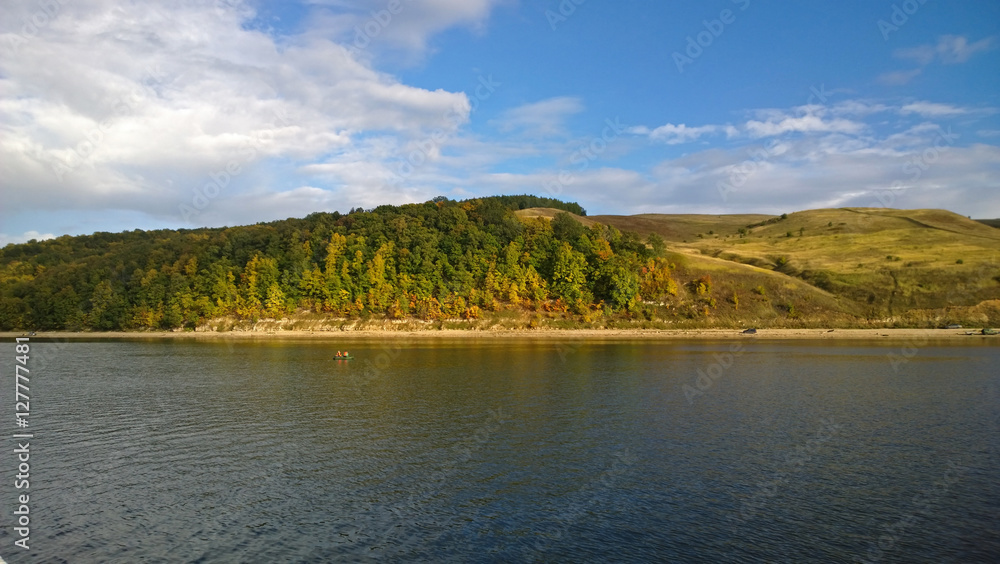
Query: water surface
509	451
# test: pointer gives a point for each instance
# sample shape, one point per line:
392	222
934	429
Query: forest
441	259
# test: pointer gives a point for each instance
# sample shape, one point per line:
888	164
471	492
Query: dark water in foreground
174	451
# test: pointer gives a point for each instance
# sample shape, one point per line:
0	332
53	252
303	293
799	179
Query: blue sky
119	116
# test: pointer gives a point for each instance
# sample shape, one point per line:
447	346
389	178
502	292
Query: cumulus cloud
144	108
809	123
135	106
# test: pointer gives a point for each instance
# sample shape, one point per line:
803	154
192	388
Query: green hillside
436	261
514	262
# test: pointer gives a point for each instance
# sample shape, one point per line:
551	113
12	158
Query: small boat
342	357
988	331
749	331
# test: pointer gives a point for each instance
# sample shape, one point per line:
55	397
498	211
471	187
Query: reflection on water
512	451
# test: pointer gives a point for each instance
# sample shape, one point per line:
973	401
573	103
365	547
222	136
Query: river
509	451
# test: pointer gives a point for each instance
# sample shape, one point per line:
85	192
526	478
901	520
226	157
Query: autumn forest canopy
437	260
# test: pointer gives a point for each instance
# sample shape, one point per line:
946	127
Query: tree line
440	259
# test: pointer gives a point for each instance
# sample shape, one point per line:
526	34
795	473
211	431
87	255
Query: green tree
624	285
566	228
569	277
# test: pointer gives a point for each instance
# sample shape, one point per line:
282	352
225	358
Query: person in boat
338	354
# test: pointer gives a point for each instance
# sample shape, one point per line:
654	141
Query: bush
959	261
701	286
759	290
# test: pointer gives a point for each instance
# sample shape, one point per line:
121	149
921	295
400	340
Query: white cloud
157	99
812	161
402	28
676	134
930	109
132	106
6	239
543	118
809	123
857	108
773	122
898	78
950	49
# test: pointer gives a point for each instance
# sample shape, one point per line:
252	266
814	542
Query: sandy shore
540	334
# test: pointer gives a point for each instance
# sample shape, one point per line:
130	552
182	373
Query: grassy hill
911	267
507	263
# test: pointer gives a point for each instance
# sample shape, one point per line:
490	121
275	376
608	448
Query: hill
911	267
514	262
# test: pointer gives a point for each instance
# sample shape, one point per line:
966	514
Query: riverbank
540	334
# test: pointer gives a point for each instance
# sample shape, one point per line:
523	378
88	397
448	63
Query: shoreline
536	334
